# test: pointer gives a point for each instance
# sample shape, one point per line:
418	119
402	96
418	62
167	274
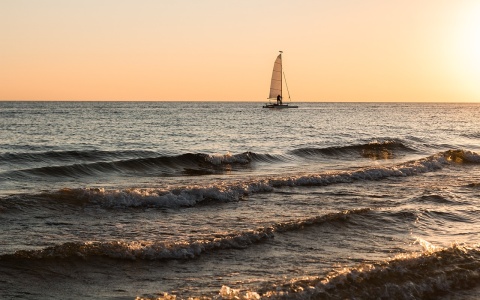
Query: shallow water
119	200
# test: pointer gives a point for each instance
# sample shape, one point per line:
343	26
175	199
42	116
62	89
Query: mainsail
276	84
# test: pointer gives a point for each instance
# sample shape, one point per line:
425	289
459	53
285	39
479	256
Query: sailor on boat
279	100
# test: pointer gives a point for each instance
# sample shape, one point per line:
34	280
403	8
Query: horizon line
245	101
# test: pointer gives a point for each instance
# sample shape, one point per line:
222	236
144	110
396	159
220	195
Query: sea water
119	200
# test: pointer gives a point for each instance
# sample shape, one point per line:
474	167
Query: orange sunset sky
223	50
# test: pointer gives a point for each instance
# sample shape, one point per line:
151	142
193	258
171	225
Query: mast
281	72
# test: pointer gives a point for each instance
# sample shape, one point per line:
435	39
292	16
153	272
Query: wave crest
227	192
144	250
462	156
386	149
175	250
431	274
185	164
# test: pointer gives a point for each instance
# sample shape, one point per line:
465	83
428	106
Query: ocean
222	200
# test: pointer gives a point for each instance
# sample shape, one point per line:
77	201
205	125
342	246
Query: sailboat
276	86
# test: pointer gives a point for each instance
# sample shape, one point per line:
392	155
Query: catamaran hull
279	106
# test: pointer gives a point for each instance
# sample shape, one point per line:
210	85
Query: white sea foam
186	196
228	158
151	250
148	250
414	276
226	192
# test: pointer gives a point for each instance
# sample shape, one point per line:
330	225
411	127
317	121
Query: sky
224	50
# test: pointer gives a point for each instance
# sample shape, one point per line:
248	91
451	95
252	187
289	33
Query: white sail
276	84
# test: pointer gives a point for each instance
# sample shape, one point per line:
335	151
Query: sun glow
466	47
470	39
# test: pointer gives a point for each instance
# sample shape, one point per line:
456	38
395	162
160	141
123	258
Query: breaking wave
76	164
227	192
373	150
429	275
434	273
175	250
143	250
185	164
72	156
